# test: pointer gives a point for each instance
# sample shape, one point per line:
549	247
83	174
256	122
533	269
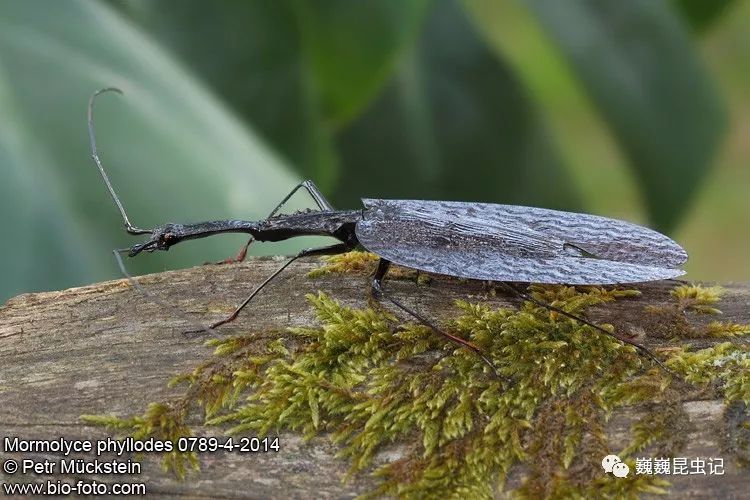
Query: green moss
672	321
367	380
698	298
345	263
162	421
723	329
727	363
357	262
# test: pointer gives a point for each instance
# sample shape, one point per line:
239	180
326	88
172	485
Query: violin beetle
482	241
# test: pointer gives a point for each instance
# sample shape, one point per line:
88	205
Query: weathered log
106	348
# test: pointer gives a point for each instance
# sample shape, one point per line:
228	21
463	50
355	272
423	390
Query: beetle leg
377	280
313	191
326	250
118	253
681	282
240	257
645	350
319	198
379	293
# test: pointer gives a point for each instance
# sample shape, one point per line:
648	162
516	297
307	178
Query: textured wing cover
513	243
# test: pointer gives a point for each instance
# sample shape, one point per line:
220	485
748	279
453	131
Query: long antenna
130	228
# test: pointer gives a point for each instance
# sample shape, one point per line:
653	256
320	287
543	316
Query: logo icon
621	469
613	464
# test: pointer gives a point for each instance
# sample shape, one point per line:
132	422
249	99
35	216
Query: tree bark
107	348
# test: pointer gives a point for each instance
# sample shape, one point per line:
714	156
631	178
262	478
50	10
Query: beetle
481	241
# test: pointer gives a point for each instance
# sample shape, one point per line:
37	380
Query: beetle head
161	238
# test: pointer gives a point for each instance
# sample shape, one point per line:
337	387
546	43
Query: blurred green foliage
383	98
700	13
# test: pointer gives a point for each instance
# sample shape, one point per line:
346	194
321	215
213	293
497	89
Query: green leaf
639	66
453	124
249	52
702	14
352	48
173	151
296	70
29	203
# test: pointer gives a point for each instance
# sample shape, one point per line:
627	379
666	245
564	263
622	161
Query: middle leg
378	293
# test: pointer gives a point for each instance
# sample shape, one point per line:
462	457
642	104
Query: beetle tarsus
240	257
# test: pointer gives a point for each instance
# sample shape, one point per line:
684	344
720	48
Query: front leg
326	250
312	190
240	257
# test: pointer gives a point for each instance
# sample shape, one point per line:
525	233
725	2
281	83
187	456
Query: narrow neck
203	229
338	224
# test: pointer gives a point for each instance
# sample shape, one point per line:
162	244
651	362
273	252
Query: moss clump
364	263
672	321
724	329
725	363
367	380
346	263
162	421
698	298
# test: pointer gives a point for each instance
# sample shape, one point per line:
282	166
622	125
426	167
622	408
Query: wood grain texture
106	348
